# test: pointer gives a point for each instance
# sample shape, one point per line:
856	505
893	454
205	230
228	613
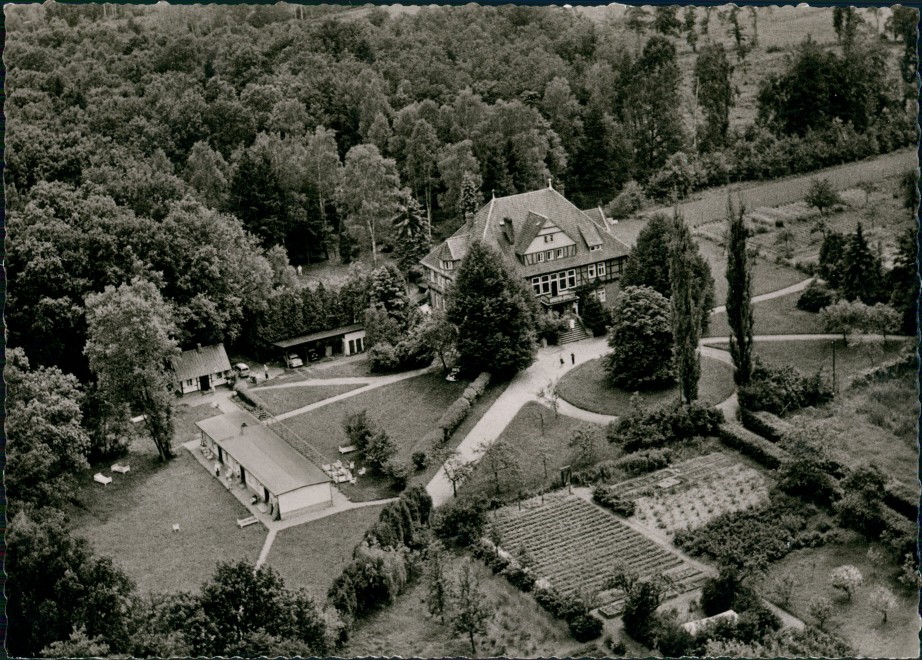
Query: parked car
241	370
453	375
293	361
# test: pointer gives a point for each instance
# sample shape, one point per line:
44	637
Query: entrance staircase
577	333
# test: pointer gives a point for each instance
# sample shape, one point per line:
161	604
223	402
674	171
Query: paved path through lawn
376	382
794	288
712	203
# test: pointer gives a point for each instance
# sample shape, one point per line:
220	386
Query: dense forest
202	148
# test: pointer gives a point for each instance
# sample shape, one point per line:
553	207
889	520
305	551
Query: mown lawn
587	386
854	620
284	399
776	316
534	442
811	356
407	410
131	521
312	555
518	627
767	276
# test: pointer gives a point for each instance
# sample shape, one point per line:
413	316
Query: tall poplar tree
686	323
739	295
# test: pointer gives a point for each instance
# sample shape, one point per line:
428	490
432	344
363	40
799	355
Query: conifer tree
861	270
739	295
494	313
686	324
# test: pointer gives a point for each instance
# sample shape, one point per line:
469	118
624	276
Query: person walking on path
561	363
299	270
572	358
266	371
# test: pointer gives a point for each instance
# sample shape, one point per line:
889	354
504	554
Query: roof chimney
243	428
508	231
550	183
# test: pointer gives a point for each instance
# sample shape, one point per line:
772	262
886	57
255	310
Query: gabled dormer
542	240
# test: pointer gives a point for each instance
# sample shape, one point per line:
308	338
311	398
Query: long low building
347	340
256	457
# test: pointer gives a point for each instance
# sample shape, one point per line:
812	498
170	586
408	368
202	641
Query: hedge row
902	499
608	497
752	445
887	370
766	424
458	411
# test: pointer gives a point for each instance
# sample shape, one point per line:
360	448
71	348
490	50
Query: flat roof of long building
275	463
317	336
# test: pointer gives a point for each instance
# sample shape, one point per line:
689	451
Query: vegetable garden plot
576	546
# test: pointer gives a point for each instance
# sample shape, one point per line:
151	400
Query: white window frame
550	255
593	248
559	253
600	295
540	256
601	269
591	270
549	238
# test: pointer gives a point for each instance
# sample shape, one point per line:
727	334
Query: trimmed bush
815	297
781	390
765	424
665	424
645	461
454	415
606	496
754	446
420	460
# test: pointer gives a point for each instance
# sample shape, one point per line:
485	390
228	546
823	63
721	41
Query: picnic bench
99	477
348	449
122	469
245	522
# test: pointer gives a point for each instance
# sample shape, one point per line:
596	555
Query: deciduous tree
641	340
882	600
471	610
46	443
129	346
368	194
847	578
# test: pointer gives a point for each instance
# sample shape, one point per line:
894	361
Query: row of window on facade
564	280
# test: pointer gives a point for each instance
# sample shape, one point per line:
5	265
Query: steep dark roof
525	210
201	362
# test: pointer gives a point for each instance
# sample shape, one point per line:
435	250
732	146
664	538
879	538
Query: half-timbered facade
543	238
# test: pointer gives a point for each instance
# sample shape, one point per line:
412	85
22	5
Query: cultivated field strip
688	471
576	546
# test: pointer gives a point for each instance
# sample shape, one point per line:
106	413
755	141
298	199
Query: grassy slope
519	627
854	620
131	520
312	555
876	423
767	276
587	387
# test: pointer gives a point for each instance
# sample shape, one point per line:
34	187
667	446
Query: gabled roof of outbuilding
201	361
